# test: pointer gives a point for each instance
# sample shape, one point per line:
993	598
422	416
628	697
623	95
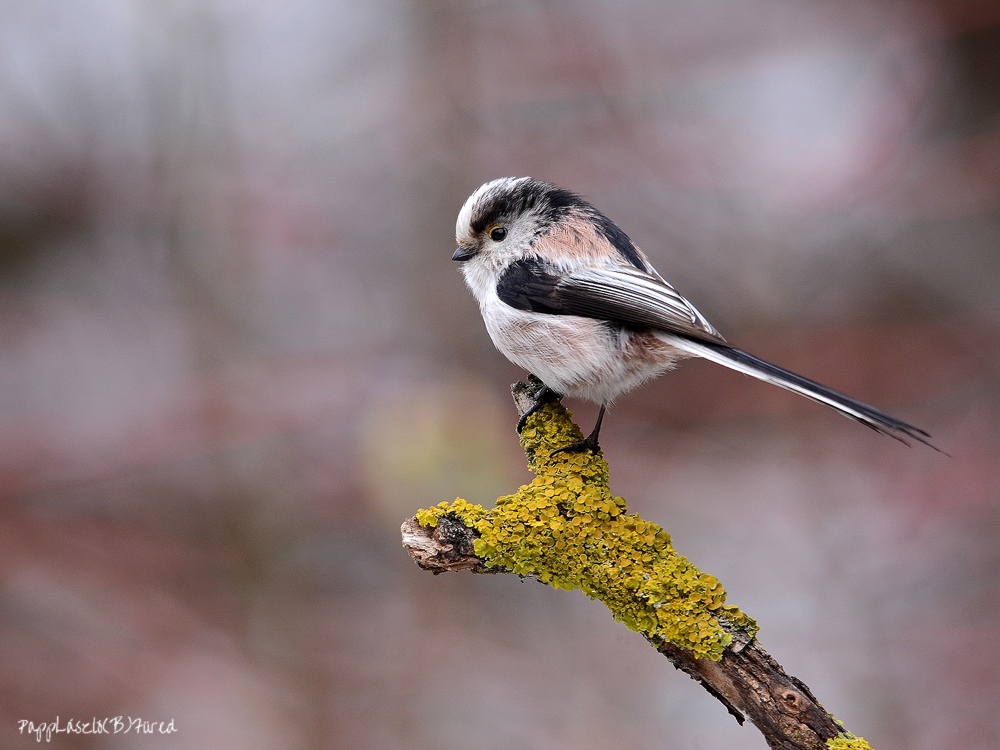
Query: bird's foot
589	443
543	396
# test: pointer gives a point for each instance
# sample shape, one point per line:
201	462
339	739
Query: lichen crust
568	530
847	741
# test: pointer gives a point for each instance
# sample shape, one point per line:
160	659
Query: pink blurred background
235	355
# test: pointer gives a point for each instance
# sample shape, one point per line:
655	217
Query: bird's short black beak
463	254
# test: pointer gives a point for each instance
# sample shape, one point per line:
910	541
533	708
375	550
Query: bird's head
503	219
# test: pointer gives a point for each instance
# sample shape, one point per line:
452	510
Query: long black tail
861	412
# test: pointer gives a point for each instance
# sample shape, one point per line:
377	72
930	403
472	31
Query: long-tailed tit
568	297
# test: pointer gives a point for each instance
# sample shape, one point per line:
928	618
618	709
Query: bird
566	295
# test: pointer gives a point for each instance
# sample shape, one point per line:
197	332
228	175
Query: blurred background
235	356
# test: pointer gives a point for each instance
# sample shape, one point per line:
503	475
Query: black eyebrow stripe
554	203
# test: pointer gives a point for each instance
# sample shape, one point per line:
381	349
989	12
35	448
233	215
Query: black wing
624	295
638	299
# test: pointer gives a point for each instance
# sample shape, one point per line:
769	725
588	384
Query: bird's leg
589	443
543	396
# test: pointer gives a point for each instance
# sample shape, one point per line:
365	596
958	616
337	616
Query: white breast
574	356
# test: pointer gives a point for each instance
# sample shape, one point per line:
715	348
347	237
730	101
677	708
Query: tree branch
566	530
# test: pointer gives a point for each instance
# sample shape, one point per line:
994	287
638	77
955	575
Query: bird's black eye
497	234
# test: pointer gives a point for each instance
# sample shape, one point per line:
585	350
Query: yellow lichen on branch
847	741
568	530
